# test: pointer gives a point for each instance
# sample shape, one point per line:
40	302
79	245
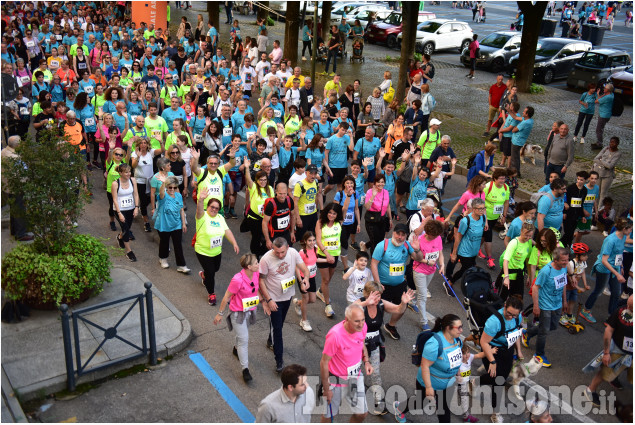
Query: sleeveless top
374	337
125	197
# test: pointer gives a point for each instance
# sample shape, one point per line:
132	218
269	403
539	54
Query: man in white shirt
273	73
283	74
249	76
293	95
262	68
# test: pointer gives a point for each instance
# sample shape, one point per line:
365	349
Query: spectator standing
494	97
474	48
604	111
520	134
604	163
18	224
587	110
560	154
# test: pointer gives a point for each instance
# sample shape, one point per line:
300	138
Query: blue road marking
230	398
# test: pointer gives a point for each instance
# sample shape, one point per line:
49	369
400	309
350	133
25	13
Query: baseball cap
312	168
435	121
401	228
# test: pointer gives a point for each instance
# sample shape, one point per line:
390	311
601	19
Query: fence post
68	350
151	333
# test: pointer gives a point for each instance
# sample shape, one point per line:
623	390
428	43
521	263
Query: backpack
502	330
420	343
618	107
417	214
432	70
472	160
491	184
273	214
438	133
535	197
432	102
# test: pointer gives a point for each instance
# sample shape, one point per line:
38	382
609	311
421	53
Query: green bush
35	278
536	88
270	21
402	108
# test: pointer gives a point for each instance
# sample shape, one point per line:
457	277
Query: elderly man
114	68
560	154
297	73
445	153
18	224
74	131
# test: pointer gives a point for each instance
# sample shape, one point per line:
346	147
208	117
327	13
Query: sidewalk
33	350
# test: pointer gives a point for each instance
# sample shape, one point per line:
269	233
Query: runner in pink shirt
431	246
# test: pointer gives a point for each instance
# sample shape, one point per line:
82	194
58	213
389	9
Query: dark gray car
495	50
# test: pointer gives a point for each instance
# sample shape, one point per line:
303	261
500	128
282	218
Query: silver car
495	50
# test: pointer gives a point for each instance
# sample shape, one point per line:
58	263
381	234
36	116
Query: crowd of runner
333	182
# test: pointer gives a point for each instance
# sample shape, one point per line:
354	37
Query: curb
10	401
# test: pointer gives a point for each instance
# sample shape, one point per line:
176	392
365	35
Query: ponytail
442	323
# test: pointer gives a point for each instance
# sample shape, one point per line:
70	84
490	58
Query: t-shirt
511	334
467	195
551	282
349	214
380	202
338	148
524	129
279	274
168	217
516	253
612	246
356	282
430	145
345	350
392	263
310	259
496	92
514	228
471	240
245	296
155	128
552	209
495	198
330	85
430	250
368	149
306	201
465	370
418	192
622	323
444	369
591	196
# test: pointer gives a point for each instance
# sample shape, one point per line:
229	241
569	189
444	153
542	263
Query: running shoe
246	375
212	299
392	331
269	344
331	74
425	327
303	58
617	384
305	325
605	234
594	228
481	255
525	339
183	269
75	224
279	366
113	227
490	263
298	310
607	292
131	256
470	418
399	417
412	306
486	134
586	315
448	291
232	213
164	263
355	246
497	418
429	295
581	140
593	397
121	245
544	360
575	139
146	227
564	320
328	310
320	295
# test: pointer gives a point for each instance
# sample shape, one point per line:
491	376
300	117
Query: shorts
237	180
371	175
487	234
320	178
584	227
402	187
506	146
473	64
327	265
338	175
393	293
312	286
572	295
491	113
350	402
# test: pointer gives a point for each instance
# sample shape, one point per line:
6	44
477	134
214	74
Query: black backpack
431	72
618	106
420	344
502	330
472	160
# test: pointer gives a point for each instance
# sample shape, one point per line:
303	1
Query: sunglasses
173	187
118	154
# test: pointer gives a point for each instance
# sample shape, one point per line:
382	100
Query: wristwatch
492	362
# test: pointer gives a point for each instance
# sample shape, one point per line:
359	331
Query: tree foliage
533	13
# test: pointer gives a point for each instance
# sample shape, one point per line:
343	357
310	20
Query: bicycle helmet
580	248
556	232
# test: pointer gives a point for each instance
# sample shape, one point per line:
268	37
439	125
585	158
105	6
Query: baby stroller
480	301
322	50
358	50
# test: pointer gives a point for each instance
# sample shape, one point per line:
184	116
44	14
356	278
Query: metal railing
72	372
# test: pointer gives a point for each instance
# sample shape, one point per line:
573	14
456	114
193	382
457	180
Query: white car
362	13
440	34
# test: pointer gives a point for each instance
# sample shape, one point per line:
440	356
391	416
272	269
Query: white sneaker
581	140
75	224
594	228
183	269
298	310
575	139
429	295
607	292
328	310
624	296
496	418
164	263
305	325
320	295
303	58
362	246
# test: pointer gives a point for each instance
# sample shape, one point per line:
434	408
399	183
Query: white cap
435	121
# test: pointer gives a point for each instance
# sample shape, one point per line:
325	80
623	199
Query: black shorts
487	234
393	293
506	146
402	187
338	175
312	286
327	265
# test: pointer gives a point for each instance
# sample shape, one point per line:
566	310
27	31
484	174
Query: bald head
13	141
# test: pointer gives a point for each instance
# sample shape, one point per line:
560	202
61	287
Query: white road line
565	407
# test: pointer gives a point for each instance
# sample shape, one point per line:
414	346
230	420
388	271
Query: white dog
521	371
529	152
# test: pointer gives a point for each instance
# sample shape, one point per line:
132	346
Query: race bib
136	79
24	111
576	202
157	134
25	79
455	357
312	270
310	98
309	208
227	132
287	283
371	335
172	94
350	216
249	134
55	64
466	374
627	344
216	242
30	44
354	370
619	258
90	122
198	138
397	269
432	256
58	36
283	222
214	191
498	209
331	244
589	199
81	65
560	281
277	113
512	337
251	302
88	89
126	203
179	179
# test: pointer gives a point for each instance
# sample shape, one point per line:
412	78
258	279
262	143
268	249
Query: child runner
357	277
575	272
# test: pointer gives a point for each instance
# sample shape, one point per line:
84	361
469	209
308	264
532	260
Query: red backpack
275	210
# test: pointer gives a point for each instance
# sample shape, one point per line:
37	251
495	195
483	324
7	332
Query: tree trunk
263	13
291	29
212	11
410	13
326	18
531	30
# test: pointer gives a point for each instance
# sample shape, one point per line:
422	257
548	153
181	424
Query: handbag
375	217
390	94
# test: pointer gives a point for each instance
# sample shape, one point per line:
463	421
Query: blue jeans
553	168
548	321
276	322
331	54
601	279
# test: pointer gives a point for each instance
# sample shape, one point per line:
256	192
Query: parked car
363	13
495	50
440	34
596	65
623	84
555	57
386	31
343	8
281	7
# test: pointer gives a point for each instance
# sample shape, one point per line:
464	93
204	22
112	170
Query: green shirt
98	101
213	183
73	50
171	139
516	253
209	235
168	92
112	174
428	146
495	198
331	239
155	127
